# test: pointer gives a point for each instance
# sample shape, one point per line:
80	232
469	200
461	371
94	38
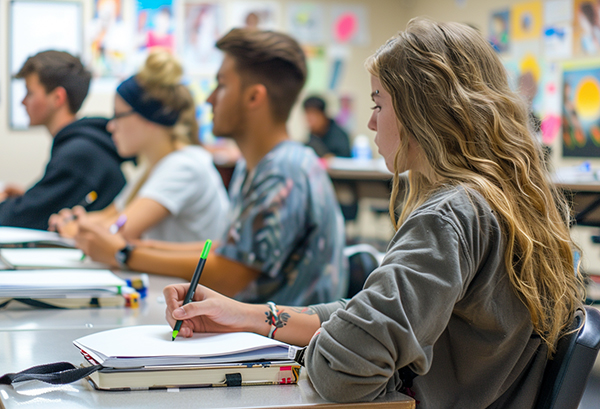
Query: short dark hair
59	69
315	102
269	58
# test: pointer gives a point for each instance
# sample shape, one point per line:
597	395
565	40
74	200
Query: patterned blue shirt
287	224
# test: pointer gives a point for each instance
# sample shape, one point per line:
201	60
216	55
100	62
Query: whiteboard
38	25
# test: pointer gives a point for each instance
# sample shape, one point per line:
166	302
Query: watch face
123	255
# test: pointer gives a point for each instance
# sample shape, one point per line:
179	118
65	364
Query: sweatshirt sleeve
394	322
64	184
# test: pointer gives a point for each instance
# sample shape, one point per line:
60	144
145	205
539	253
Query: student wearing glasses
180	197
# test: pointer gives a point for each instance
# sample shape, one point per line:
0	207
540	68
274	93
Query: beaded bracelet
273	319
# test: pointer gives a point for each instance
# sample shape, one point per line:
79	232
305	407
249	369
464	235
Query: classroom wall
23	154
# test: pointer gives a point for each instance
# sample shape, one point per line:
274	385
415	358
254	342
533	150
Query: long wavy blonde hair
450	92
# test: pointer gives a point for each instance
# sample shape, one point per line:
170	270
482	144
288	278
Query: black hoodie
83	158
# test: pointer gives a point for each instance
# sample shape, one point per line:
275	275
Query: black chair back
362	260
566	374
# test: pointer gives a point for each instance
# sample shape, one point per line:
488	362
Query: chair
362	260
566	375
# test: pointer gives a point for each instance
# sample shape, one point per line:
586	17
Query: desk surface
23	349
151	311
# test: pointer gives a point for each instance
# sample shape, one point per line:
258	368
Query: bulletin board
34	26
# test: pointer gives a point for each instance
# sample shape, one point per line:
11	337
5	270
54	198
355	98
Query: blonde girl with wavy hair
180	196
478	282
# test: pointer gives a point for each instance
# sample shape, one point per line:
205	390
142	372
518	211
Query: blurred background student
83	157
180	197
327	138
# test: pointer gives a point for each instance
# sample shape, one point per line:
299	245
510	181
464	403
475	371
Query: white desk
151	311
22	349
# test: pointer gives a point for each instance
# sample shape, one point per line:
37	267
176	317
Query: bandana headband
148	107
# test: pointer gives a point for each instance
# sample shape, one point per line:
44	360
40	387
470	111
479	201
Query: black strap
57	373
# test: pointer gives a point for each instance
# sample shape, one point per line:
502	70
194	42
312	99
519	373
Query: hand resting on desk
97	242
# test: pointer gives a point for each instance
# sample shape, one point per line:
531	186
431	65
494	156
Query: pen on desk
114	228
193	283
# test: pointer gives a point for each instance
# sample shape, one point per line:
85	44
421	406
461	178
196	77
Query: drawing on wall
349	25
316	65
552	104
305	21
155	24
109	39
587	26
264	15
526	21
201	88
61	23
581	112
346	117
203	26
499	30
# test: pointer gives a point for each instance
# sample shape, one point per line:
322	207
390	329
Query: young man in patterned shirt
286	236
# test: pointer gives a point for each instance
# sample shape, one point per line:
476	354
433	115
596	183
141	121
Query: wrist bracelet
273	319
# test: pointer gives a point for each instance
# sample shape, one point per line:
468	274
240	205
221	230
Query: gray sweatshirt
440	303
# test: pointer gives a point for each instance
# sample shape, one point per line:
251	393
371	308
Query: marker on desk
193	283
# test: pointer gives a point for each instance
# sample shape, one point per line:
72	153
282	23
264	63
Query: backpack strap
56	373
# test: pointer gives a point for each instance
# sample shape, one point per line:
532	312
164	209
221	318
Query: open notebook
20	237
145	357
152	345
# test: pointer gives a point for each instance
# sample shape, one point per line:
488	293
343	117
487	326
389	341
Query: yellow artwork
526	21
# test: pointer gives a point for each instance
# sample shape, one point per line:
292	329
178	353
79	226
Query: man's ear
59	97
256	96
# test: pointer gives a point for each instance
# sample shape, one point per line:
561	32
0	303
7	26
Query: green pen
193	283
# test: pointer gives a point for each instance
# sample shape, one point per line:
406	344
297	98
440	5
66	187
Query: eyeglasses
121	115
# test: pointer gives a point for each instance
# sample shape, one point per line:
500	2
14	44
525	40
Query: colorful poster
529	75
558	40
203	26
316	64
581	112
264	15
109	38
155	24
499	34
346	116
305	21
349	25
586	27
201	88
526	21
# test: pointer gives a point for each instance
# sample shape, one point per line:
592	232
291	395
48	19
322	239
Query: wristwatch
123	254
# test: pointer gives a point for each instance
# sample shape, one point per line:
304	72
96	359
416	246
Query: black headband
142	103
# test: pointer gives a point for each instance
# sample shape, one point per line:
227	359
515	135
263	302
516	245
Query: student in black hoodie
83	157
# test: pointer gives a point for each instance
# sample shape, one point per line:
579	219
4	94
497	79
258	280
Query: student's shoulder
293	159
461	204
192	156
